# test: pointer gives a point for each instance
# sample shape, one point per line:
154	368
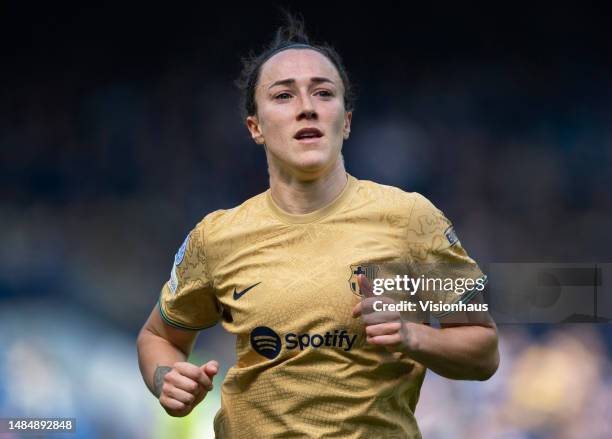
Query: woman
286	272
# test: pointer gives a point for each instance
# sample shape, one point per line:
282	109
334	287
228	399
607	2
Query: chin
312	161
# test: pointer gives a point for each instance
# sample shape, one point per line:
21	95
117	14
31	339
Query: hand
384	328
185	386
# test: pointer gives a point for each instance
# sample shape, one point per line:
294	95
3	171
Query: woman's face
297	89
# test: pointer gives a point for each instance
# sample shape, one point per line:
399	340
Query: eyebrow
290	81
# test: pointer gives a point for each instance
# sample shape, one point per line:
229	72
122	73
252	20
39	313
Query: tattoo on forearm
158	379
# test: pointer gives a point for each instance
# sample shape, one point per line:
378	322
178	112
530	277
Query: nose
306	110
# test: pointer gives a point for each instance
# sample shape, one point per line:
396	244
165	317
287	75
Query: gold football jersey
285	285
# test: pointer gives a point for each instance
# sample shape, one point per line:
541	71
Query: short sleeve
448	274
188	300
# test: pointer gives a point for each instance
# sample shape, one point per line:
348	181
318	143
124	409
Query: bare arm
162	357
161	345
465	347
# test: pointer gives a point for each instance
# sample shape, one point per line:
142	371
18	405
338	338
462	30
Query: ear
348	117
255	129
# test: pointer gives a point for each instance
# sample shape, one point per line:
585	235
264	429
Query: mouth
308	135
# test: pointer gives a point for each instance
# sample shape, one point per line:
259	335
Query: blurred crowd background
120	130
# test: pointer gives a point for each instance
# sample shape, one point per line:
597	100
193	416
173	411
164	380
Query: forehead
297	64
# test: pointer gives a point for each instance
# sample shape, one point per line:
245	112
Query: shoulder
424	210
394	198
219	220
414	212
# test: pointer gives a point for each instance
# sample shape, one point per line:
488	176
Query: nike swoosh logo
241	293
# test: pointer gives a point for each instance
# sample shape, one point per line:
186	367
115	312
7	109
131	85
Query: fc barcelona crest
369	270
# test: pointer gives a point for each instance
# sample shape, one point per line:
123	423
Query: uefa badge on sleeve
173	282
451	236
180	254
178	258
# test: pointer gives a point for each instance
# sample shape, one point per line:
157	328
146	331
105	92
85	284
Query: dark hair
292	32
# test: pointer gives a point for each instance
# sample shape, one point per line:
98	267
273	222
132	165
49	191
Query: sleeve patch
451	236
173	282
180	254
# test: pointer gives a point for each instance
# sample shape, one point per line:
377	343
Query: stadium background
120	129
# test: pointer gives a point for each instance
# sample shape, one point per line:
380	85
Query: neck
297	195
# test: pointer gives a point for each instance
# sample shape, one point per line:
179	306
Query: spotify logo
265	342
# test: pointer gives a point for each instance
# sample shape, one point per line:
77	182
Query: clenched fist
384	328
183	386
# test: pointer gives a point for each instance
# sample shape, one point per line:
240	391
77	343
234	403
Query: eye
326	93
278	96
